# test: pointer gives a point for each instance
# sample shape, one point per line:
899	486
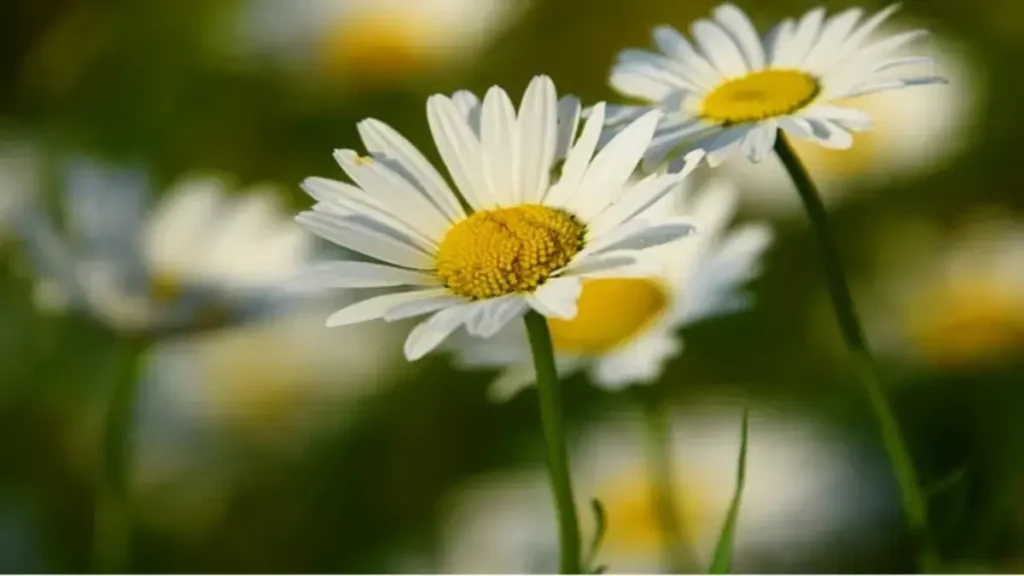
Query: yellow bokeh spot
165	288
634	525
611	312
759	95
376	44
507	250
968	321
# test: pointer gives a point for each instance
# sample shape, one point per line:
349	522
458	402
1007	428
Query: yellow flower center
968	321
507	250
611	312
634	524
377	45
759	95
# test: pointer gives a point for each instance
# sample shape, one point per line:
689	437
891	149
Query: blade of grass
721	563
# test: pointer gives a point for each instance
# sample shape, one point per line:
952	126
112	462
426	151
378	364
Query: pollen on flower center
610	312
760	95
507	250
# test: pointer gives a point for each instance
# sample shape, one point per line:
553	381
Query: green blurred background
312	469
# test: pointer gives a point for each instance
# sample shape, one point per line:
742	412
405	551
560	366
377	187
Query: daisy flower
626	328
959	301
526	239
914	133
198	260
736	89
373	40
500	523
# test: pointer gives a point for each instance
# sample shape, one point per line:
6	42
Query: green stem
113	523
679	556
549	390
914	503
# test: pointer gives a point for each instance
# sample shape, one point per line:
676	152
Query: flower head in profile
373	40
527	237
735	89
626	328
198	260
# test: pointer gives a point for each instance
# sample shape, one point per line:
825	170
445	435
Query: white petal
352	274
777	39
861	34
431	332
647	237
396	193
577	160
795	49
796	127
609	170
512	381
636	200
715	285
621	114
849	118
498	314
378	306
721	145
468	105
557	298
828	49
537	140
498	136
568	121
440	301
889	45
365	240
649	76
401	156
829	134
738	25
719	48
674	45
360	207
758	142
460	149
670	138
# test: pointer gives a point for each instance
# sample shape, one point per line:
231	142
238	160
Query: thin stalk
678	555
721	562
113	517
549	391
914	504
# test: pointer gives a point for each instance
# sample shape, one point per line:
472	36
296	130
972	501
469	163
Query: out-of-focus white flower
504	523
913	132
19	182
527	238
625	329
950	300
736	89
373	41
200	259
270	386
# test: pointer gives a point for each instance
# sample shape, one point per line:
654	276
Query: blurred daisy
913	132
199	260
19	182
952	299
374	40
270	386
626	328
528	240
795	468
735	89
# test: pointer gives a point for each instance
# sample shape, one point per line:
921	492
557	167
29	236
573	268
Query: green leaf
722	561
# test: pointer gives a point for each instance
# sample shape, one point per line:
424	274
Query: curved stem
549	391
914	503
113	524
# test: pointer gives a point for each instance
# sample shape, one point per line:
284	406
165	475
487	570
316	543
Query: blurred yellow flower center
611	312
969	321
378	44
164	288
507	250
634	523
759	95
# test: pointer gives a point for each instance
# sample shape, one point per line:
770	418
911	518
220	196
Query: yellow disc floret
610	312
507	250
760	95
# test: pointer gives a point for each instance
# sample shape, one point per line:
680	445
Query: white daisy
950	299
502	523
626	328
199	260
373	40
735	89
914	132
529	239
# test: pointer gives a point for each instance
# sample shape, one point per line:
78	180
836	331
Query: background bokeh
282	446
